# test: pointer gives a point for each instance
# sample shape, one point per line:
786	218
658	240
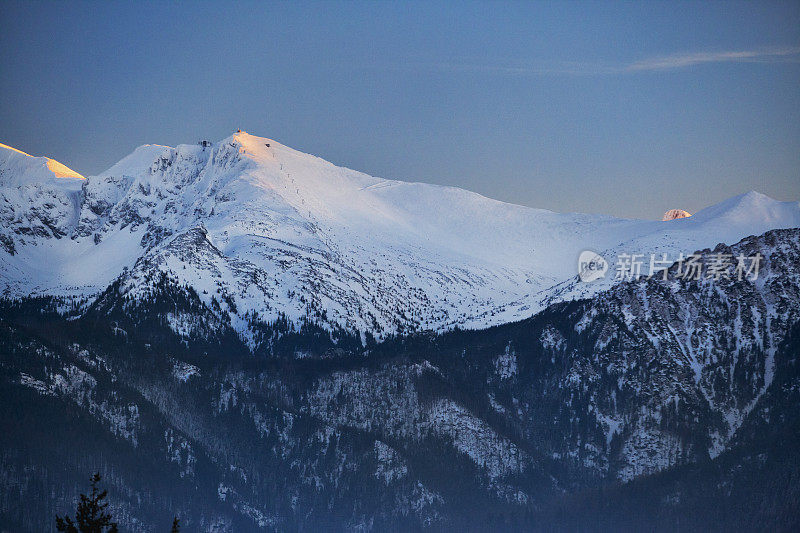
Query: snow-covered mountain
683	393
39	199
196	323
264	230
674	214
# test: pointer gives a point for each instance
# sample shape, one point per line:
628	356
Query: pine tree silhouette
176	526
91	515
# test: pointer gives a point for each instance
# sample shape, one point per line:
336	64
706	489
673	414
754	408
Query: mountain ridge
298	236
22	159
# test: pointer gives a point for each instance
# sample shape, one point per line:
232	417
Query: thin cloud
661	63
778	55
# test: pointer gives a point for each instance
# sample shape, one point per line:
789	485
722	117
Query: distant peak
59	170
747	200
754	195
674	214
244	138
7	147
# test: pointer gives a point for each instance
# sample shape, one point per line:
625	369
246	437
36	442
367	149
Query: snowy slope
39	199
270	230
19	168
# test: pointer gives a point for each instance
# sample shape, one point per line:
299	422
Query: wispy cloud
661	63
767	55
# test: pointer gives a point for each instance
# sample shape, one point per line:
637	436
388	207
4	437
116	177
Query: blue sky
621	108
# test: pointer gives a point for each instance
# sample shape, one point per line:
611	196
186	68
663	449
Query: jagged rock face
442	431
696	354
288	235
674	214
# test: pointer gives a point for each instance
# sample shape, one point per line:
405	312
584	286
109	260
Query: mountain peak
61	170
674	214
750	206
7	147
248	141
33	168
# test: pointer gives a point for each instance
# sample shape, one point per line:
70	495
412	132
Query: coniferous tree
91	515
176	526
